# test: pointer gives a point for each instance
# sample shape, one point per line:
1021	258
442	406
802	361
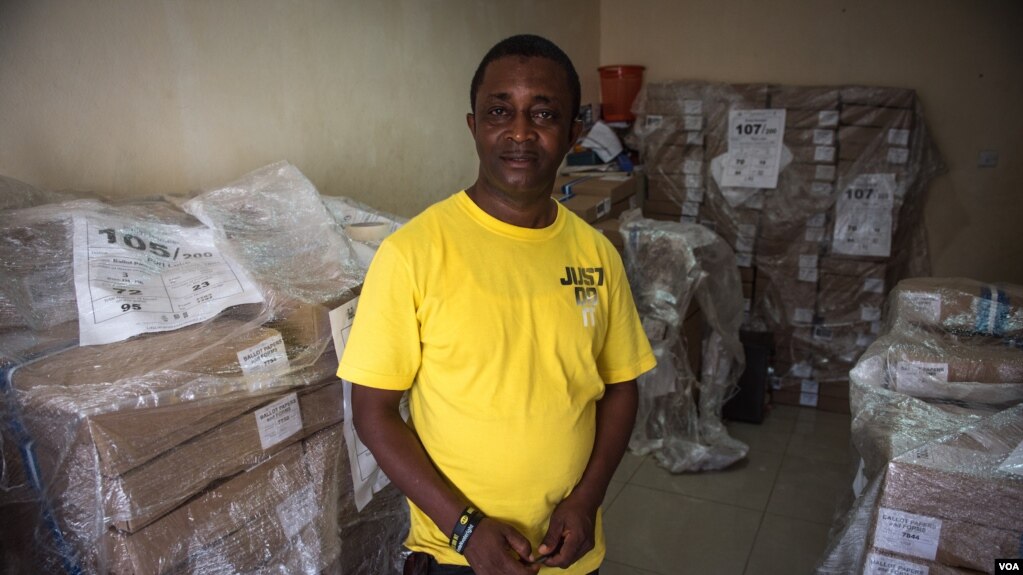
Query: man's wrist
465	527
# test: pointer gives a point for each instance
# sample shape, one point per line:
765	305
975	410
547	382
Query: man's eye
498	112
544	115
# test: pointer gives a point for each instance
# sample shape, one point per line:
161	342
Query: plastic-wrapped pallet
936	404
669	264
819	191
202	433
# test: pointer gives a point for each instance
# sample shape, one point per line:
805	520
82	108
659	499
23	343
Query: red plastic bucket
618	88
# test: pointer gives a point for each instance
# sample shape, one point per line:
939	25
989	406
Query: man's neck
536	213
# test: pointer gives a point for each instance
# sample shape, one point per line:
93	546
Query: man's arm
573	521
493	545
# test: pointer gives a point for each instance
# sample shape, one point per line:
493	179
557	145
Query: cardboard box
616	187
804	97
590	208
140	496
940	368
960	305
808	119
611	229
810	137
961	499
243	522
856	115
878	96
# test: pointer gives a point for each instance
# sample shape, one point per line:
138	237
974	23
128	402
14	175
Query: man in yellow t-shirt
511	323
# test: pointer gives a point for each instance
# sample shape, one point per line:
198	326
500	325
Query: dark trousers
423	564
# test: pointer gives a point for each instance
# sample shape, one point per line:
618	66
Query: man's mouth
519	158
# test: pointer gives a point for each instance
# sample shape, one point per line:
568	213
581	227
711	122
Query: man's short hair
529	46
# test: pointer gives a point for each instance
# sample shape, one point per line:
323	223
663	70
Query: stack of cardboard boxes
938	423
817	251
212	448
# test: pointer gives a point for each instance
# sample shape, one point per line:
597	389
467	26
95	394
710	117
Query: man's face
522	126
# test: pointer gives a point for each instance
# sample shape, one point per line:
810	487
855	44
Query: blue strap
983	310
1002	314
26	446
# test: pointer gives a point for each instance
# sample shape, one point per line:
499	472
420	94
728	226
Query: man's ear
470	119
576	129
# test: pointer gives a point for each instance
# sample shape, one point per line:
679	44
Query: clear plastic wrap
827	238
364	225
275	224
212	448
669	264
960	305
938	425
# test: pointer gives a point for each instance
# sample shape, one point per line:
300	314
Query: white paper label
807	275
884	565
134	277
341	320
653	121
898	137
870	313
267	356
898	156
298	510
754	148
694	138
603	207
802	370
823	137
809	386
694	195
827	118
873	285
692	181
864	340
808	260
748	230
744	260
824	154
692	107
692	122
817	220
907	533
802	315
824	172
814	234
687	219
822	188
278	421
743	244
863	216
919	376
692	166
808	399
925	304
691	209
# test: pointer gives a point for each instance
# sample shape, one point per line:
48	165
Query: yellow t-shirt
510	335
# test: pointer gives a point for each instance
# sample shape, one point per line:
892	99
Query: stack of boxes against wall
165	452
938	422
821	299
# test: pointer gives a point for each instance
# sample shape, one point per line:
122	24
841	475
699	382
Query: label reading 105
136	243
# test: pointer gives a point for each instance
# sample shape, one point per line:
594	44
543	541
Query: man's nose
522	129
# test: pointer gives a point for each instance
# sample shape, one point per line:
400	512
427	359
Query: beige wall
963	58
367	98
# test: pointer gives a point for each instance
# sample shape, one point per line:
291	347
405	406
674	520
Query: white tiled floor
768	514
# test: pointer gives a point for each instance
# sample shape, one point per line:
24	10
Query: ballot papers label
754	148
278	421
